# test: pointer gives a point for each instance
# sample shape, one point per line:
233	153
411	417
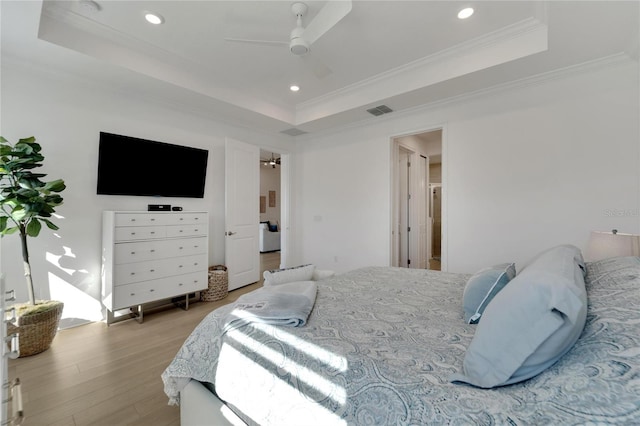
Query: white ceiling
399	53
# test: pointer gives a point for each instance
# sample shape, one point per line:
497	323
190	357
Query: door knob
229	233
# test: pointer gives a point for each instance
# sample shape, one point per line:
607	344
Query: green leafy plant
26	201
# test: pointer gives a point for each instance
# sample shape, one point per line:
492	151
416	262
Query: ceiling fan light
298	46
294	87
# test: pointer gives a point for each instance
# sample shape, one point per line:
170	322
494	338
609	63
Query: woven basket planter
37	330
218	284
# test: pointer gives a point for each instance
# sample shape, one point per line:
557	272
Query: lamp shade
603	245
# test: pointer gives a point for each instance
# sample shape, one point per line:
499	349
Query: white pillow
321	274
289	275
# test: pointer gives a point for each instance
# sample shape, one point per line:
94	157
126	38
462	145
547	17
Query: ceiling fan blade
262	42
326	18
319	69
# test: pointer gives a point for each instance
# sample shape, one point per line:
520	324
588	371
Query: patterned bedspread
381	343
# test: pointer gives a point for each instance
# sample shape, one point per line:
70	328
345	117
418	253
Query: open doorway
270	237
435	209
417	200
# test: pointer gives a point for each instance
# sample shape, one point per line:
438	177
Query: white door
404	243
242	212
413	232
422	213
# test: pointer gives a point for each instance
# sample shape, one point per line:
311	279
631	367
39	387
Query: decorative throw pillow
288	275
531	323
322	274
482	288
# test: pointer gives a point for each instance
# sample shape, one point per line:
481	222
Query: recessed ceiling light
294	88
153	18
89	6
465	13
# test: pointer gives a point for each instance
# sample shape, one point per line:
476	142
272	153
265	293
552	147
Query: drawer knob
195	264
153	251
179	266
133	233
182	218
153	232
153	270
133	220
180	285
133	294
196	230
180	248
133	273
133	252
181	230
152	290
196	246
195	281
152	219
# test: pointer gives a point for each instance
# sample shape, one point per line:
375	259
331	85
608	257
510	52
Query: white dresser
152	256
10	390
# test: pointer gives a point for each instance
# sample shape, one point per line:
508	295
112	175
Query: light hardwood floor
99	375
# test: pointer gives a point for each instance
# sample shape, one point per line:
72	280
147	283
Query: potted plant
26	203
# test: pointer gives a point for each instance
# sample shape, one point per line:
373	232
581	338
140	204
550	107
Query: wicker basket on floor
218	284
37	330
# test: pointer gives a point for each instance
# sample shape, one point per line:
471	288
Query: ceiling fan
301	38
271	162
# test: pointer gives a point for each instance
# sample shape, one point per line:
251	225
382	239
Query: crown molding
69	29
621	59
489	39
515	41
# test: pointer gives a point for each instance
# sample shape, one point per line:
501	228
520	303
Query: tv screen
132	166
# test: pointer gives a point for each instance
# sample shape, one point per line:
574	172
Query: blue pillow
482	287
531	323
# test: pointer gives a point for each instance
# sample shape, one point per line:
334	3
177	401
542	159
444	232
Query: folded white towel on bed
285	304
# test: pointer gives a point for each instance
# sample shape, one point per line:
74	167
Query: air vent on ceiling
379	110
293	132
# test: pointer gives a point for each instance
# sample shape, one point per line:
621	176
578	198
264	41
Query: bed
381	347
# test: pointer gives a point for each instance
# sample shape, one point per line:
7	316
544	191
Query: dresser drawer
186	230
190	282
148	291
187	219
132	252
189	246
142	271
132	233
154	269
187	264
141	219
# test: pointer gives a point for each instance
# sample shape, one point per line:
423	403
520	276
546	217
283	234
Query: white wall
523	169
66	116
270	181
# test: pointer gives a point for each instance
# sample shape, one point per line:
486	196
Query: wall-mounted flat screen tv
132	166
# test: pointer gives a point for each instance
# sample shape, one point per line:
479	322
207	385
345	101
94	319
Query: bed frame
200	407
